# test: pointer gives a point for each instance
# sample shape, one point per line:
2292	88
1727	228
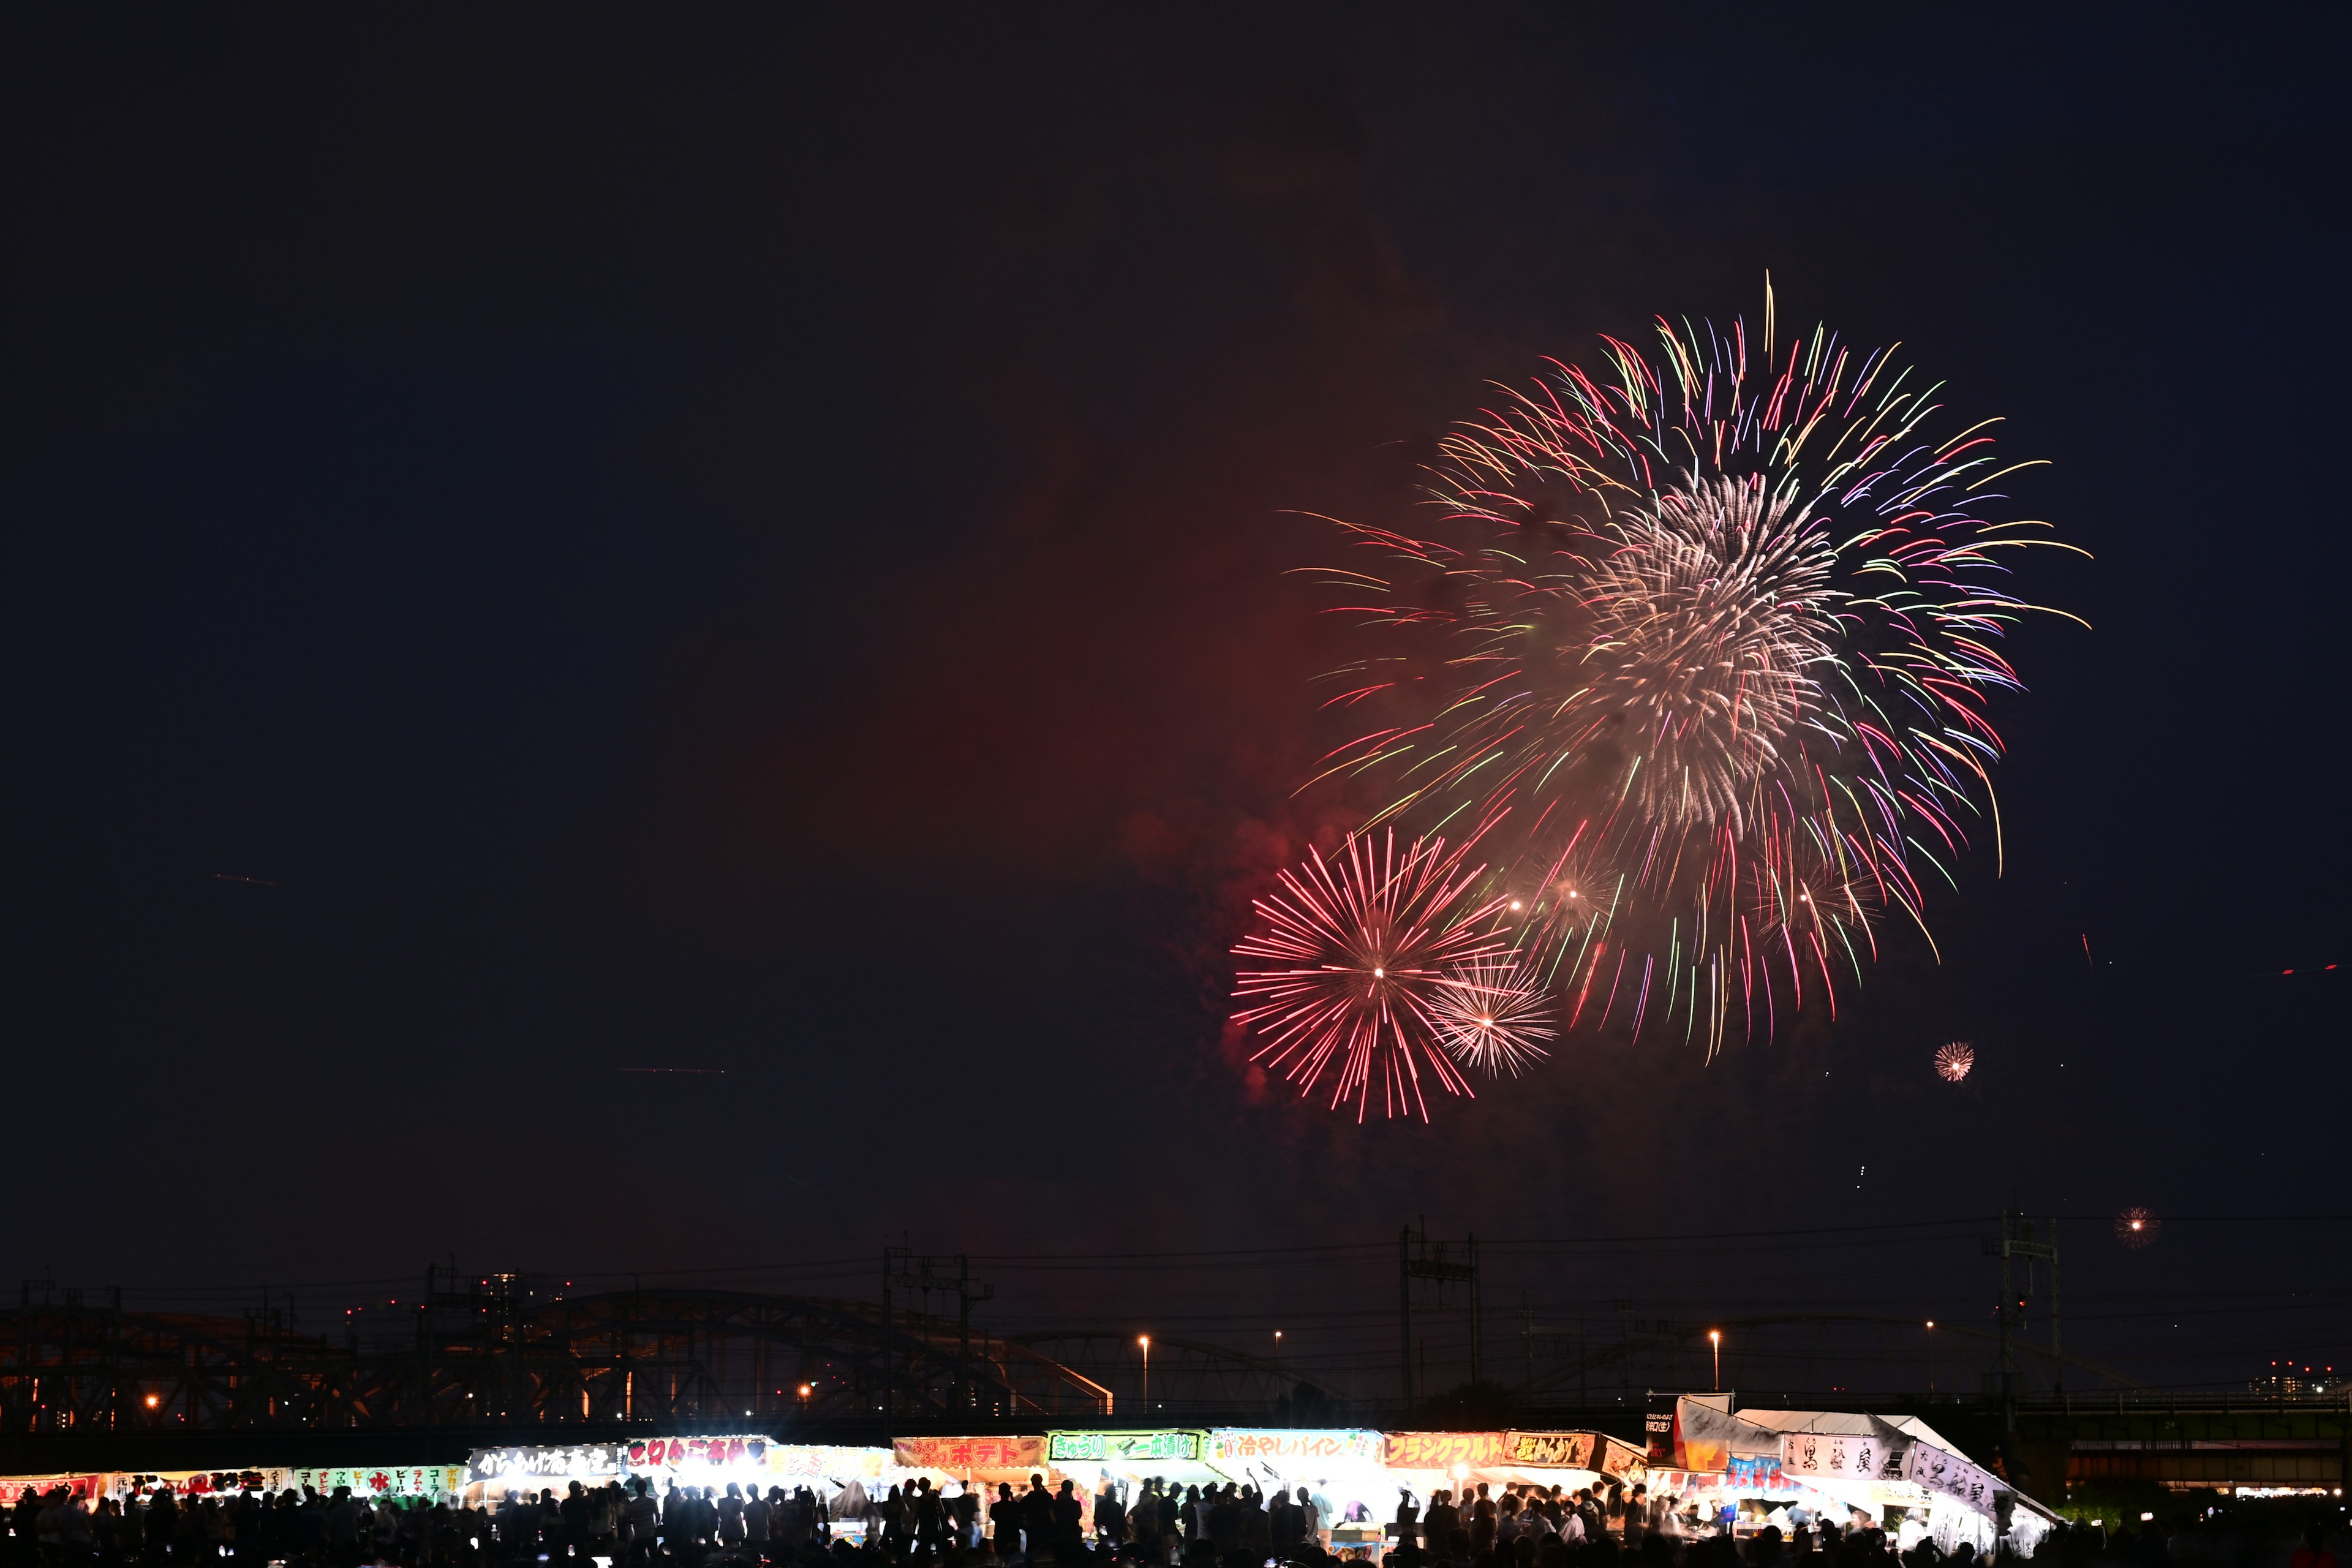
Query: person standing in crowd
757	1512
1111	1515
1004	1523
1257	1528
1069	1524
1408	1519
1283	1525
729	1510
641	1519
1036	1519
1442	1520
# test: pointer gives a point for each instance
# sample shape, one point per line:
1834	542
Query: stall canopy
1863	1461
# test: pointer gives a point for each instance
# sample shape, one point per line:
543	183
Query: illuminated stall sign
1627	1461
387	1480
817	1461
970	1453
1554	1450
1948	1475
14	1487
1444	1450
1112	1445
1274	1448
516	1466
687	1453
1842	1456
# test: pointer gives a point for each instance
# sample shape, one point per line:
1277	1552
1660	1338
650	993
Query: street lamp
1145	1341
1714	1338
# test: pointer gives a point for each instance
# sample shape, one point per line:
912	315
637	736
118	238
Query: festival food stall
1088	1458
1786	1468
1341	1469
749	1461
980	1462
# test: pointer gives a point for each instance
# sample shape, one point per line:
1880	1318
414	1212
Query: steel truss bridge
488	1358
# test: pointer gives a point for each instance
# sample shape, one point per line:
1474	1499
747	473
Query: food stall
1174	1455
955	1466
750	1461
1343	1469
984	1463
1791	1467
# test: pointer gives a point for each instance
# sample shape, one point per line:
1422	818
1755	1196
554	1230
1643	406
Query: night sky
543	545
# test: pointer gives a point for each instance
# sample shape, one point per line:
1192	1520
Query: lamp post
1714	1338
1145	1341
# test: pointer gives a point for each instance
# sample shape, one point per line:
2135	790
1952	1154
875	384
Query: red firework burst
2136	1227
1368	945
1954	1060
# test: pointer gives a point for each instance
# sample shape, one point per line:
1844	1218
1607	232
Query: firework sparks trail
1717	630
1368	947
1954	1060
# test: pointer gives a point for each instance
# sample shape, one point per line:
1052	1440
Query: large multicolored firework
1697	649
1374	952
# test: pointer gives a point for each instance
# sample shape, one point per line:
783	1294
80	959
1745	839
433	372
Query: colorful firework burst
1954	1060
1723	620
1371	947
2136	1227
1492	1014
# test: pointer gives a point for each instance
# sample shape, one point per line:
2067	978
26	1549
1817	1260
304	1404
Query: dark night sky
680	541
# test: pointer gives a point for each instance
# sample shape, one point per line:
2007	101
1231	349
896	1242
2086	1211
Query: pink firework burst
2136	1227
1954	1060
1364	953
1492	1014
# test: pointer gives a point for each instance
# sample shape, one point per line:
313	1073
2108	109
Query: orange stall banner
1444	1450
958	1453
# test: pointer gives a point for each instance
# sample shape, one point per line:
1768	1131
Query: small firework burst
1492	1014
2136	1227
1954	1060
1365	948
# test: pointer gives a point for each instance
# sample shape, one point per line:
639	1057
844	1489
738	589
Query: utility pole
1416	1260
2017	1240
1404	1304
968	1290
890	1256
902	1270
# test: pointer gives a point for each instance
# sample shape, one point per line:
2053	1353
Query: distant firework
1369	949
2138	1227
1953	1061
1493	1014
1707	638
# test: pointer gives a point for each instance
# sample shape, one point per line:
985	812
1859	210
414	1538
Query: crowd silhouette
631	1525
